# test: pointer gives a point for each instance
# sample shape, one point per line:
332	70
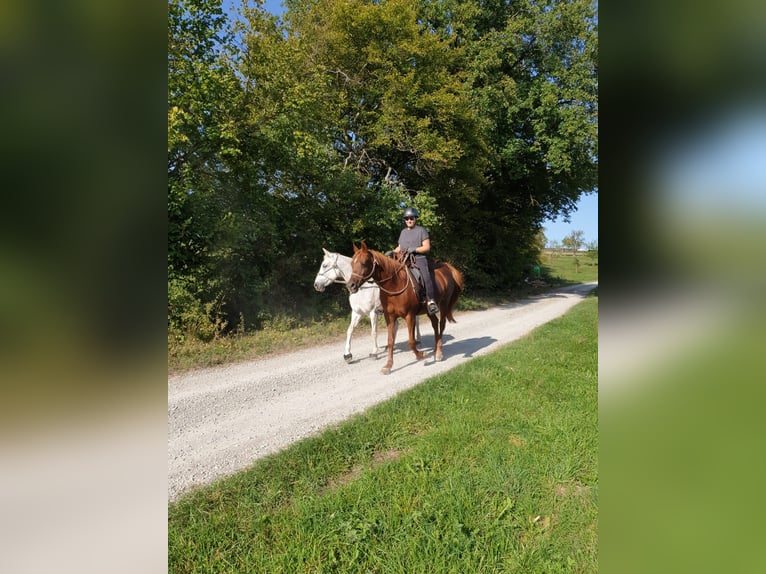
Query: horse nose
318	286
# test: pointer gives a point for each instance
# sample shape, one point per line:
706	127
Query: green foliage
188	316
286	136
593	256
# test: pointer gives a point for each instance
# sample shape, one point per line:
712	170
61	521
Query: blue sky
584	219
274	6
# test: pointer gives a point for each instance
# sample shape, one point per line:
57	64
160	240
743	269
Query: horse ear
355	247
364	246
325	251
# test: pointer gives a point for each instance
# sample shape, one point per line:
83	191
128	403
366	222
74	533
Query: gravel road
222	419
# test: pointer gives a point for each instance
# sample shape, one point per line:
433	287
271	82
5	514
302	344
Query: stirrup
432	307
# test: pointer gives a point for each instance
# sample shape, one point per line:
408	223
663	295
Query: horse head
362	267
328	271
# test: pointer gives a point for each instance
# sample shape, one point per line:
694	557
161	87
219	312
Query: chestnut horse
399	297
366	301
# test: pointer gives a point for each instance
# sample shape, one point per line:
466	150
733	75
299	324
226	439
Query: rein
406	283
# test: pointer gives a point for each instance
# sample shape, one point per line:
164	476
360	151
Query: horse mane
386	262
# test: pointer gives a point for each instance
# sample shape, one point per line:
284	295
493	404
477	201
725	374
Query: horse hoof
347	358
386	370
439	358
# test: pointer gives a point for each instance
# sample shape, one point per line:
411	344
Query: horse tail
459	281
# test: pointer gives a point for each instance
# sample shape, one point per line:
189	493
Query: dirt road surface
220	420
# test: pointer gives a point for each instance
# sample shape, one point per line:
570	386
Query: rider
414	239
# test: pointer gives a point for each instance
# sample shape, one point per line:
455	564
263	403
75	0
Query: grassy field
289	335
569	269
491	467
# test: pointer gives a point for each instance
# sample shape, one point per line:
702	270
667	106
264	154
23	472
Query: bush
188	316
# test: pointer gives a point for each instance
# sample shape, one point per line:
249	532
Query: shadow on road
467	346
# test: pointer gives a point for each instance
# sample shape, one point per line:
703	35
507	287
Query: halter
338	269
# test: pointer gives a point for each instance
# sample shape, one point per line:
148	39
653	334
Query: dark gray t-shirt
412	237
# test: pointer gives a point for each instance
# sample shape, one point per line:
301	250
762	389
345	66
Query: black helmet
411	212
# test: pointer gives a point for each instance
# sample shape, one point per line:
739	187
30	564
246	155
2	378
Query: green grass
491	467
559	269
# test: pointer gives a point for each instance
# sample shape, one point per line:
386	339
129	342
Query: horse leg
354	321
374	325
417	330
411	331
396	328
438	325
391	323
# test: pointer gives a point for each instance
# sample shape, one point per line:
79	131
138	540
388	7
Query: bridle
369	275
338	270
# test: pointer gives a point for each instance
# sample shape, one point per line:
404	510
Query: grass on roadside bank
241	347
489	467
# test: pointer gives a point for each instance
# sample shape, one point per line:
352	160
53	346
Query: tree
394	107
531	73
202	95
574	240
592	247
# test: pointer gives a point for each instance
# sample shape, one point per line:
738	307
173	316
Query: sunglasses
409	219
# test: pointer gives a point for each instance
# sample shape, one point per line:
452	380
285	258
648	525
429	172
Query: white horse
336	268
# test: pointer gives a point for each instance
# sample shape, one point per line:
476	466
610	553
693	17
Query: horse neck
387	269
344	266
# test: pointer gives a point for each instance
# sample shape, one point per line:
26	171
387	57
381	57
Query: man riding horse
414	239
